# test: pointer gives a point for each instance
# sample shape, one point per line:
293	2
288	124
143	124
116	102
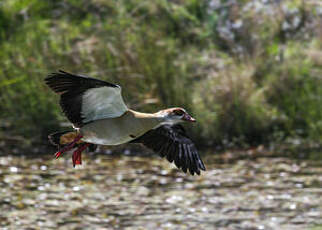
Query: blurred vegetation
249	71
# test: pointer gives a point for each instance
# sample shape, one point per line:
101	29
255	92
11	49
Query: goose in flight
100	117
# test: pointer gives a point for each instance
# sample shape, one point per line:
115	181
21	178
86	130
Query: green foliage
317	227
295	88
249	74
235	110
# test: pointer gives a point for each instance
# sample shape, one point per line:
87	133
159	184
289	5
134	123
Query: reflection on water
132	192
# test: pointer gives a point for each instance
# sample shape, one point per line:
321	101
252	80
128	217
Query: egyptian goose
100	117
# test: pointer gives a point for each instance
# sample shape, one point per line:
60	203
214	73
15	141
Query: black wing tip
194	168
59	72
196	164
63	71
202	166
198	170
62	74
53	77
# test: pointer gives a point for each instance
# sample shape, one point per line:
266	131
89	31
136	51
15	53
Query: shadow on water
128	192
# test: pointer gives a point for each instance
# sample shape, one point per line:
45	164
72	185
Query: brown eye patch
178	112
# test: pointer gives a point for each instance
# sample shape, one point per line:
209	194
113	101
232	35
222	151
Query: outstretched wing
84	99
173	143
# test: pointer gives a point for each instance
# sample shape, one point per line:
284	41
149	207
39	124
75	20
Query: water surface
111	192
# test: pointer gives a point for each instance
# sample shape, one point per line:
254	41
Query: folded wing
84	99
173	143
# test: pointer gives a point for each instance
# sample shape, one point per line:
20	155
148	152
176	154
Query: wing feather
100	103
84	99
173	143
184	165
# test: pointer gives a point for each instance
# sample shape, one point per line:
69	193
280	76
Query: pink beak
189	118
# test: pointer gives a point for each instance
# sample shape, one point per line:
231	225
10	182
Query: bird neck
149	120
154	120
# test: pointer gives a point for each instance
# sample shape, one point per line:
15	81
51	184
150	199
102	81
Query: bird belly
107	132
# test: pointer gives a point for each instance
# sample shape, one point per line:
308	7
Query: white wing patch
103	102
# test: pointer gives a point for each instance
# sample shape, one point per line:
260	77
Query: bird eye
178	112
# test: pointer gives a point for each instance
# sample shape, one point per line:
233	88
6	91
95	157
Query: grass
249	75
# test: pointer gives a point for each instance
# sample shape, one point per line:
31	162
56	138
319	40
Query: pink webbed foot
77	154
68	147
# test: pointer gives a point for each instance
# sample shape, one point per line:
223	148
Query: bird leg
77	154
69	146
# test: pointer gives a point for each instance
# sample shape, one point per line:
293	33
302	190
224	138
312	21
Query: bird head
175	115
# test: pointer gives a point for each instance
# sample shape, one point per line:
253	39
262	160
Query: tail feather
63	138
58	137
